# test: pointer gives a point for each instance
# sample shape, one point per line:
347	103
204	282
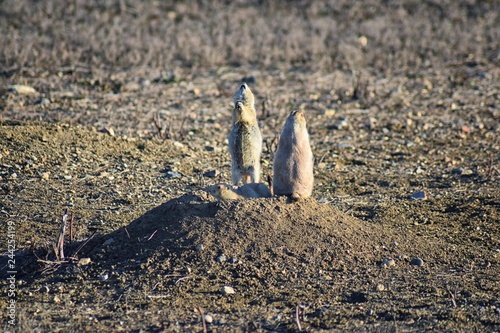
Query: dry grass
164	34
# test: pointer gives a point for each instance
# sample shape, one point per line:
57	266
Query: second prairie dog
225	192
293	160
245	139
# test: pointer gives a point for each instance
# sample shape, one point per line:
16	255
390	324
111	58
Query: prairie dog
245	139
293	160
225	192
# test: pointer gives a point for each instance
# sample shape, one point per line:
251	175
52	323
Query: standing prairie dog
225	192
293	160
245	139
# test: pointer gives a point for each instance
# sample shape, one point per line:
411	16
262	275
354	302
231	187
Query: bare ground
155	238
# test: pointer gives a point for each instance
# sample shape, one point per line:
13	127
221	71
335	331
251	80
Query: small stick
297	319
152	235
452	297
200	310
71	228
270	182
85	243
127	232
60	241
182	278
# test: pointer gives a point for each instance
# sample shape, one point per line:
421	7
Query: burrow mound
306	237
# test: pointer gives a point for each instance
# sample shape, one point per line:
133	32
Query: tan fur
245	96
224	192
293	160
245	139
254	190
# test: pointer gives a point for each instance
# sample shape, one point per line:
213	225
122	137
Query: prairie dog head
243	114
244	95
297	119
217	189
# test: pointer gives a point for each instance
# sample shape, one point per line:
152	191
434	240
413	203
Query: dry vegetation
132	108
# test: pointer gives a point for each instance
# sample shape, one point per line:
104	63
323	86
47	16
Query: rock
199	247
84	261
226	290
103	277
42	101
173	174
22	89
108	130
418	195
457	171
341	123
416	262
330	113
208	318
369	312
388	262
221	258
380	287
211	174
233	260
57	299
108	242
45	289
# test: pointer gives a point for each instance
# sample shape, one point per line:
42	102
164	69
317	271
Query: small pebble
104	277
57	299
226	290
42	101
211	174
233	260
417	262
419	195
380	287
45	289
456	171
84	261
108	242
369	312
221	258
173	174
22	89
208	319
388	262
199	247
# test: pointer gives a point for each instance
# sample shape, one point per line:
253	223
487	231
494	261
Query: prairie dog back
293	160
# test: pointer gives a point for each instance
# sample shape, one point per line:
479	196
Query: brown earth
384	126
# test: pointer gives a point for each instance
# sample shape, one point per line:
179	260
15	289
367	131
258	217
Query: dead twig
84	243
299	314
59	248
152	235
71	228
202	315
453	296
127	232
